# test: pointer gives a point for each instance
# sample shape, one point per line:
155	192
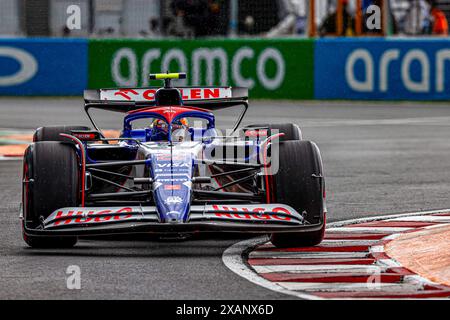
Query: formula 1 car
171	172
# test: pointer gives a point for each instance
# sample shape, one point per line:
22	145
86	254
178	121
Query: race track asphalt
379	158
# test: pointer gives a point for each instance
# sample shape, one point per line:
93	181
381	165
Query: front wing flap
255	218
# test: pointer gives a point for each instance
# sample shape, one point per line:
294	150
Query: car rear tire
291	131
52	133
51	176
299	183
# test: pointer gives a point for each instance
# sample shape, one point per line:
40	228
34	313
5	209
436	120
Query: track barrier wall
43	66
271	68
382	69
296	69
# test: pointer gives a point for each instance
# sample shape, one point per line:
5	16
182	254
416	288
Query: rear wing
129	99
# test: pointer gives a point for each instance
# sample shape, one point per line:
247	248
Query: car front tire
299	183
51	180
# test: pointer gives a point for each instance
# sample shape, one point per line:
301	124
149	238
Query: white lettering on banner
28	66
175	55
147	60
360	85
416	86
209	56
386	59
266	55
241	54
441	56
201	58
128	55
421	84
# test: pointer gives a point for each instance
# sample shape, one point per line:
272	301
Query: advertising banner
297	69
382	69
43	66
272	69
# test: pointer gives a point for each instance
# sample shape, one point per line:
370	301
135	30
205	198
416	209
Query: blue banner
43	66
382	69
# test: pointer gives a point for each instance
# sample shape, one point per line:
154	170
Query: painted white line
363	122
390	263
332	225
335	243
15	131
368	230
419	279
349	287
233	258
435	226
392	236
441	219
376	249
307	255
336	268
3	158
345	243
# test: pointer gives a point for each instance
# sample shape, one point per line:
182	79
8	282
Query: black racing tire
51	176
299	183
51	133
291	131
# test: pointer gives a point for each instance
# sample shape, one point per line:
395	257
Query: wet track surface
380	158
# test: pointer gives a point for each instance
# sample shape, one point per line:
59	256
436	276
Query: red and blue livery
172	172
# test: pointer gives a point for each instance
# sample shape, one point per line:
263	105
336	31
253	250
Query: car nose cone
174	217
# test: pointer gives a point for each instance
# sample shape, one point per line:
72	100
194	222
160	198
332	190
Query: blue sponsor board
382	69
43	66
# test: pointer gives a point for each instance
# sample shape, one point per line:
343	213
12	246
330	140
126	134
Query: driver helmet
161	128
